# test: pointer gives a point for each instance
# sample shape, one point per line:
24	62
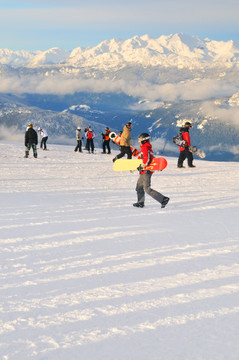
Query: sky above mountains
41	24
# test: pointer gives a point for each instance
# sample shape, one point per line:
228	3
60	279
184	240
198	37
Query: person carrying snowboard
144	182
31	141
184	151
125	142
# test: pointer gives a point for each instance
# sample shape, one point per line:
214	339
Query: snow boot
138	204
164	202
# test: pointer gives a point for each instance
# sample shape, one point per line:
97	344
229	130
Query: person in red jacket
144	182
184	151
90	140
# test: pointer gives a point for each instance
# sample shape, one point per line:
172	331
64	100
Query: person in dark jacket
31	141
144	182
184	151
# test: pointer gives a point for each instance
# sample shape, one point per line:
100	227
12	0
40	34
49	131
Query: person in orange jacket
144	182
184	151
106	141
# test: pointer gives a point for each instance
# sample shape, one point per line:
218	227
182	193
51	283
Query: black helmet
143	138
188	124
129	124
106	128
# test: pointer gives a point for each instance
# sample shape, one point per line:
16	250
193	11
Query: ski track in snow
86	276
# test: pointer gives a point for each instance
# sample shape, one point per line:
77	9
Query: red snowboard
157	164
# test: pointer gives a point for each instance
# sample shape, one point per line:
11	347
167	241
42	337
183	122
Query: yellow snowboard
126	164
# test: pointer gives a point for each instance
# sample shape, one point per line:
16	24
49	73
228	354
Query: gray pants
143	186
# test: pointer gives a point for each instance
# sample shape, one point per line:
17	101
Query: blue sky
41	24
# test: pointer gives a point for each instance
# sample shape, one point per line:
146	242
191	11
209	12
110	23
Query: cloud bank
197	90
203	89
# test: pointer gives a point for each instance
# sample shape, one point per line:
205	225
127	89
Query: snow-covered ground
86	276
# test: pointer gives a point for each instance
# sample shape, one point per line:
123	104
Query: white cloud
228	115
191	90
11	134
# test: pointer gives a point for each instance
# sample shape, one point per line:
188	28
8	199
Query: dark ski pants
106	144
34	148
183	155
43	142
144	186
125	150
90	145
79	146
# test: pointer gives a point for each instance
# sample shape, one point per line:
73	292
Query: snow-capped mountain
172	50
157	82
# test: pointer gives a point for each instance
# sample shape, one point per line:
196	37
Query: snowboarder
125	142
31	140
144	181
184	151
89	140
78	139
106	140
44	138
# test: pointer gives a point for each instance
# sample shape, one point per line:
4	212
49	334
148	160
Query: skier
78	139
44	138
144	181
106	140
31	140
125	142
184	151
89	140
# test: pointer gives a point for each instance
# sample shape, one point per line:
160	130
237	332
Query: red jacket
186	137
146	155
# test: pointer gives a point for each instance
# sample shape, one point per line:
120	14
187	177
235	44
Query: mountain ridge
157	82
174	50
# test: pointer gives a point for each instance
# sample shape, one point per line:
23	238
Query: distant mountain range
156	83
173	50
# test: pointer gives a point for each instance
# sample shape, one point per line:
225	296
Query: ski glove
140	168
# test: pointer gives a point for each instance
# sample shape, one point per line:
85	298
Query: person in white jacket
78	139
44	138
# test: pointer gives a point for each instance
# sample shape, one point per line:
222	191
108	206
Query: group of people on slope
146	154
31	140
89	135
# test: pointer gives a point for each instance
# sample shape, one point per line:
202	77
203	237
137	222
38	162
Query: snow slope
86	276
